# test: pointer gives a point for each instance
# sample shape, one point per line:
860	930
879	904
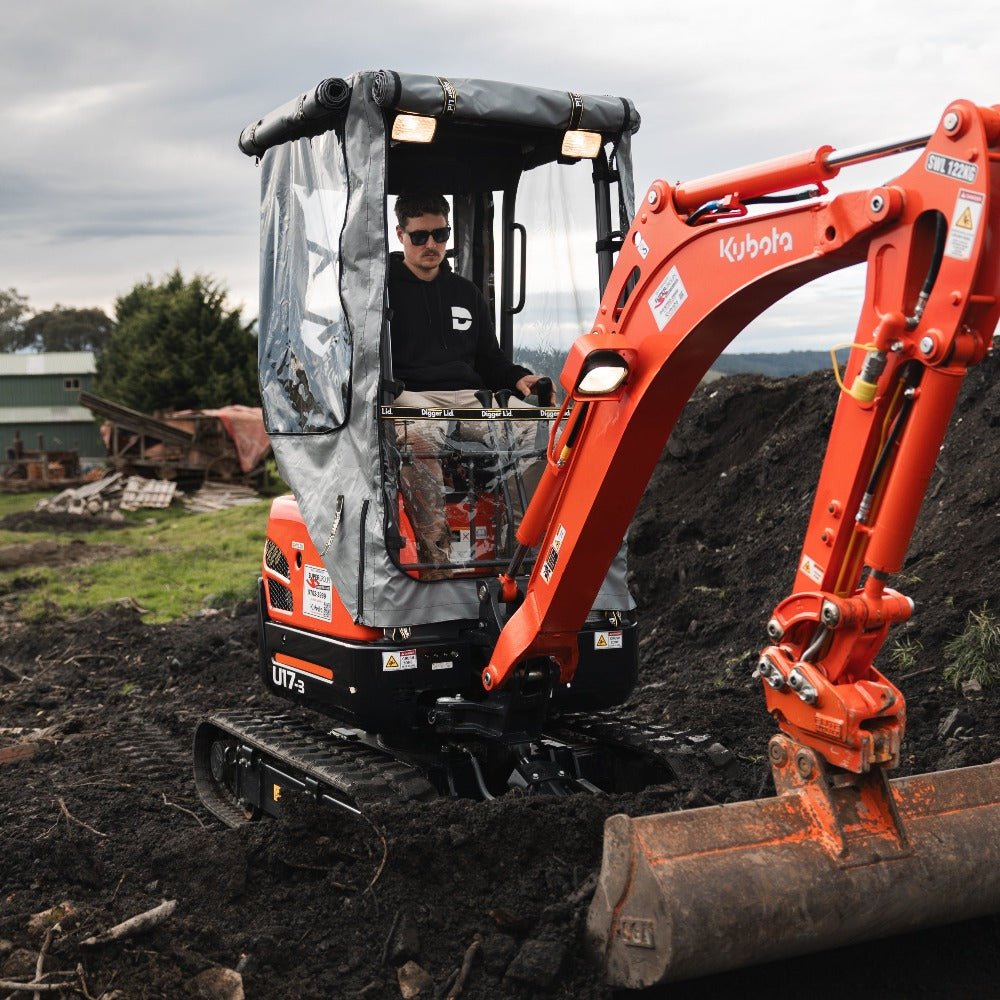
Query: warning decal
317	591
607	640
549	566
400	659
964	224
811	569
668	298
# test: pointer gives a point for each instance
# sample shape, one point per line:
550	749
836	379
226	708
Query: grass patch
169	562
905	654
16	503
975	653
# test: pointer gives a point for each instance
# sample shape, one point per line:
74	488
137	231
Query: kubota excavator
505	674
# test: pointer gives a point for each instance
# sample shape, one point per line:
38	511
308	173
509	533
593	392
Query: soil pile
99	811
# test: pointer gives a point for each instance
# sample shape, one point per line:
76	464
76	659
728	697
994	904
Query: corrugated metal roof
53	363
45	415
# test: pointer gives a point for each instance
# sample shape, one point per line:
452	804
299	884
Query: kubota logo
735	250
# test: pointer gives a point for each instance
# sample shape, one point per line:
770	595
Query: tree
63	328
13	307
175	346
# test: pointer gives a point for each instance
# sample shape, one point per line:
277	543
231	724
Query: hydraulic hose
912	377
940	232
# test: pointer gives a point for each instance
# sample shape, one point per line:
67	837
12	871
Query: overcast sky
119	120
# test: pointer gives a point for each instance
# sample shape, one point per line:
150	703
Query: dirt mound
46	552
99	808
59	520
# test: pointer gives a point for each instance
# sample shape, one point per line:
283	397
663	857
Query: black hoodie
442	333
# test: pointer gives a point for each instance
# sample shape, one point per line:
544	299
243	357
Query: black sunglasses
420	236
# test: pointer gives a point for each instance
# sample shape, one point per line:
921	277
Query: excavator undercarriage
246	762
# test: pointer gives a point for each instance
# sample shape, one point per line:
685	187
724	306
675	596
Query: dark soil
60	521
101	810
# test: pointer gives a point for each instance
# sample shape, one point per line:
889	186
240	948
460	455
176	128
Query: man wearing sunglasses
444	348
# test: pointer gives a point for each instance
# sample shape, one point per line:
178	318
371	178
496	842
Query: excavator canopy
525	231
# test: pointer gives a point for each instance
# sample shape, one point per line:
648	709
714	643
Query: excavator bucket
829	861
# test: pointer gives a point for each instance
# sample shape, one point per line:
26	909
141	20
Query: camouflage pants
421	479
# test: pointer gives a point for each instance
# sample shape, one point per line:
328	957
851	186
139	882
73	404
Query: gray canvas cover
322	312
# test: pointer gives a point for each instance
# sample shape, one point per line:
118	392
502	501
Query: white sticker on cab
317	593
400	659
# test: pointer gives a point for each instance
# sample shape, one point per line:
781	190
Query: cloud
120	120
74	106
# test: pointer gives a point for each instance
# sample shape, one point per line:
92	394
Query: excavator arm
840	853
700	262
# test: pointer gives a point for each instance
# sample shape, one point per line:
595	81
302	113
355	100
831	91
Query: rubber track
680	750
150	755
348	770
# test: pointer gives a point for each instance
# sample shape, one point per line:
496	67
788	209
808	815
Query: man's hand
526	383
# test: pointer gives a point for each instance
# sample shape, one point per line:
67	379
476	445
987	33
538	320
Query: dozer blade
829	861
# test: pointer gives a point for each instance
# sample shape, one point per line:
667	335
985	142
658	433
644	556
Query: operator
444	347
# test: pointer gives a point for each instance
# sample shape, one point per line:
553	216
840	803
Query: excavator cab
355	622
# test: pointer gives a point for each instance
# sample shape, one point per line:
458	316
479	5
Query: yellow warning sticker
400	659
608	640
964	224
276	792
812	569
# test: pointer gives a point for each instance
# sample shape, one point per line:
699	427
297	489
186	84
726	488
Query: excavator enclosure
535	228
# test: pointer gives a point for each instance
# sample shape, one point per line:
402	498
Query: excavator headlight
413	128
603	373
581	144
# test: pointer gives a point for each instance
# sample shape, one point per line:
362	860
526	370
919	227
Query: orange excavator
504	672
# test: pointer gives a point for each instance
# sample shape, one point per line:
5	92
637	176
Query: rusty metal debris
228	444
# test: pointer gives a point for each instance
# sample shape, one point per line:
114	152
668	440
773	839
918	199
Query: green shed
39	401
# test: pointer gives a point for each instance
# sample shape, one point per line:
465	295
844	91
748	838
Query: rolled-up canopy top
468	100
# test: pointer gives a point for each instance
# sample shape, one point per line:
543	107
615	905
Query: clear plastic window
305	346
555	204
458	483
463	480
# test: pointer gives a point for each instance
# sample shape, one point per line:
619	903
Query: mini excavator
506	674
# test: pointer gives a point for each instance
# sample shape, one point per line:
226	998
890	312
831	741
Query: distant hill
778	365
775	365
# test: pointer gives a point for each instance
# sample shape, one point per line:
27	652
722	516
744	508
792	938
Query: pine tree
175	346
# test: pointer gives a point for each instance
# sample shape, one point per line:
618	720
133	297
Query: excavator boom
688	280
699	263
